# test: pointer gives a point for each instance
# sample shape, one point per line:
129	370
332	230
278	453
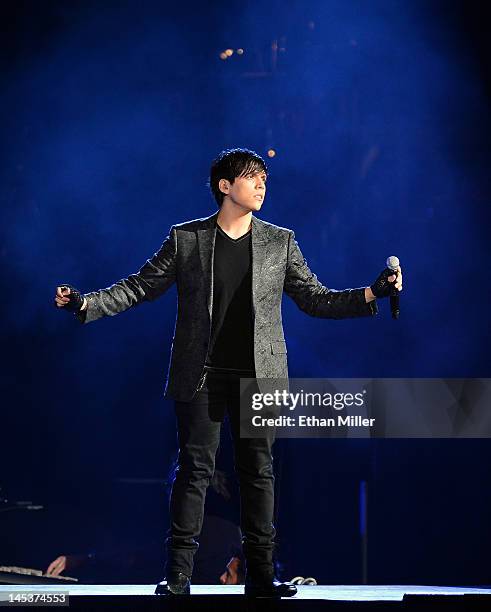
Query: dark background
379	116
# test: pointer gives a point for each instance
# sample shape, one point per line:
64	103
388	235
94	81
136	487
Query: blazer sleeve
314	298
152	280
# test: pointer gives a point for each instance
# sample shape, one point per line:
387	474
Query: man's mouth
258	197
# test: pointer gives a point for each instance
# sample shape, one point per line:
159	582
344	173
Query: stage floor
332	598
329	592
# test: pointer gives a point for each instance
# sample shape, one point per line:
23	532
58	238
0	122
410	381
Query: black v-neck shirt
232	328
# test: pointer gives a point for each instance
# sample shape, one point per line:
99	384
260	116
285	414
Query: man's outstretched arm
311	296
151	281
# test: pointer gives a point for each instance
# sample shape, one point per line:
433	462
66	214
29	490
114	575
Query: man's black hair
231	164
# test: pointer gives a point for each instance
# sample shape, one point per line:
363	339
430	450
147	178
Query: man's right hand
70	298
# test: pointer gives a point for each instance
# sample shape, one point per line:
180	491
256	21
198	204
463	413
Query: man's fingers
399	279
62	295
62	291
396	279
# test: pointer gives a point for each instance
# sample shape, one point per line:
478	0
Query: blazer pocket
278	347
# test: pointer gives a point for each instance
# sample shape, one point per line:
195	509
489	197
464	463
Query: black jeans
198	429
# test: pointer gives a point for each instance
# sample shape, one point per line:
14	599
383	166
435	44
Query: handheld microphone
392	264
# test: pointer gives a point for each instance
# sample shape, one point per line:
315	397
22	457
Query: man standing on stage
231	270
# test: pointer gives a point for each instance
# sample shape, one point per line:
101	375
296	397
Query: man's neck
233	220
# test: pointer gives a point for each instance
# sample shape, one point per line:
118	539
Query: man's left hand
382	287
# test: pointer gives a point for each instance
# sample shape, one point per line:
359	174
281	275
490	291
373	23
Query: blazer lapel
259	249
206	246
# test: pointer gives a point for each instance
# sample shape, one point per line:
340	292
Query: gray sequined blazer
186	258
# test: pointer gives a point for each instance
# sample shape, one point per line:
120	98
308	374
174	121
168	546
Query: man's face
248	191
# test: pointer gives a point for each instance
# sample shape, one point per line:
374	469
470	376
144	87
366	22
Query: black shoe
176	584
269	588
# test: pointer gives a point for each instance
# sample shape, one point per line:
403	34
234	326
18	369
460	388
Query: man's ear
224	185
